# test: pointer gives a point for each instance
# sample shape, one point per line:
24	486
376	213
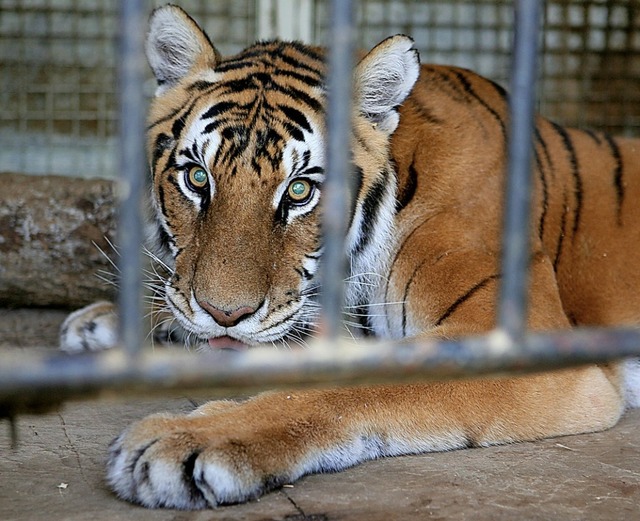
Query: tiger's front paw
92	328
187	462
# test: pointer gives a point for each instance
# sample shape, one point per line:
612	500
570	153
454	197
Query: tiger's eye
198	178
299	190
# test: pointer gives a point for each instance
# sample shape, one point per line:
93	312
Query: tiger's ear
177	46
384	78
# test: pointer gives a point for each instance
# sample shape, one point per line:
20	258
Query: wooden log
48	227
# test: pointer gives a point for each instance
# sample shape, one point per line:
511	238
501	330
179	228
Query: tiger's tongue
226	342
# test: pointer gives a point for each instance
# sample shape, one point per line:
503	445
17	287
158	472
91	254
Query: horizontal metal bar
29	382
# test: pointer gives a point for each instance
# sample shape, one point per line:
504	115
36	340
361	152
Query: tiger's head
237	151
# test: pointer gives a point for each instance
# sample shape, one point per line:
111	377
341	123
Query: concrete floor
56	472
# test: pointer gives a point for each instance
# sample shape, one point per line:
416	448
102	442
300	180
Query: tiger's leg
473	311
226	452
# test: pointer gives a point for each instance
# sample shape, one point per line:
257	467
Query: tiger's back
450	154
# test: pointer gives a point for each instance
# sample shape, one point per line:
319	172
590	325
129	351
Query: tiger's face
236	147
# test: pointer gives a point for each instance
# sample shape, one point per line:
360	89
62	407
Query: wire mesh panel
58	107
57	90
591	64
590	67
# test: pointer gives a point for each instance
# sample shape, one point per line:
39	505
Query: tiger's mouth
226	342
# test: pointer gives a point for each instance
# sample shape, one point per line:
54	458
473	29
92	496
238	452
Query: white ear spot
384	78
174	44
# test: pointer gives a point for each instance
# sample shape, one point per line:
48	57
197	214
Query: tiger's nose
227	318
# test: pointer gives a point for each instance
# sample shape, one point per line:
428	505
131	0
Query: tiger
236	148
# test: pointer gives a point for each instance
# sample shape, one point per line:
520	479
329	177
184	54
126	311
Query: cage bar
335	187
512	307
31	382
132	172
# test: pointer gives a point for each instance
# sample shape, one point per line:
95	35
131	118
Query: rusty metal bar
512	307
36	380
335	189
132	171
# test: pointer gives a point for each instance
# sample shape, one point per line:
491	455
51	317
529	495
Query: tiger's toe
161	462
92	328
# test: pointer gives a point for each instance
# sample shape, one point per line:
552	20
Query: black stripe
314	255
164	239
395	260
305	50
310	81
188	478
545	193
273	153
298	65
178	126
200	85
304	273
499	89
191	103
370	208
468	88
312	170
282	213
238	140
545	150
593	135
306	157
299	95
218	108
464	298
408	190
356	185
188	153
575	173
361	140
405	296
293	131
563	226
186	200
161	145
169	116
424	112
296	116
235	65
617	176
238	85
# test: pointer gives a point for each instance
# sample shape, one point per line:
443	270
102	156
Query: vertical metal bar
132	170
515	249
338	159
